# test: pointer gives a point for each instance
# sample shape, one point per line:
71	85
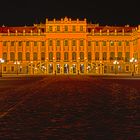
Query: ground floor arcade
33	68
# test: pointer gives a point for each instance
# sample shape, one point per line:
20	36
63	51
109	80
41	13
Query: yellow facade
69	46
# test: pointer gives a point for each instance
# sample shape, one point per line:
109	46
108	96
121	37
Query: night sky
105	12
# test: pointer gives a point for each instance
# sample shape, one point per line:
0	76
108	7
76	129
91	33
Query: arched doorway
66	68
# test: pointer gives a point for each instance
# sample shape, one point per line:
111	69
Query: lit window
112	43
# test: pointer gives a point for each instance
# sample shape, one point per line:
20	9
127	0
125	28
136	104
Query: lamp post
17	63
116	63
1	62
133	61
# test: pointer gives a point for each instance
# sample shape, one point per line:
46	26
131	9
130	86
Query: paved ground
70	108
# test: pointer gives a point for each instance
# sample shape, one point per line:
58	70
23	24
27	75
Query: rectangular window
104	43
96	55
12	56
50	28
12	43
4	43
58	56
4	56
96	43
111	43
58	43
89	43
12	68
81	43
73	28
89	56
73	42
74	56
27	56
35	43
42	56
43	43
19	56
65	56
81	28
66	28
119	43
27	43
4	68
50	56
35	56
50	43
20	43
127	68
127	56
81	55
58	28
127	43
104	55
65	42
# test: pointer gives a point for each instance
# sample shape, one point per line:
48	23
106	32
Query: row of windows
66	43
20	43
65	28
111	43
66	56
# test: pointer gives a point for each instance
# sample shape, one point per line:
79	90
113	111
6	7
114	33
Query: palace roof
103	29
27	29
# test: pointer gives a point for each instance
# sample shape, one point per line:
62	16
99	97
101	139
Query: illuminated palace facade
68	46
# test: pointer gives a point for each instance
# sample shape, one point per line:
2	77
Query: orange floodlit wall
68	46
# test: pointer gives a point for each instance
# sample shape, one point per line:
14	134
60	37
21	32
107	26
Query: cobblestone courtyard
69	108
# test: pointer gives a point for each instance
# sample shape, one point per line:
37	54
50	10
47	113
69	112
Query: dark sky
105	12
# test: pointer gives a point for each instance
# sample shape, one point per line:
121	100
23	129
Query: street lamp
116	63
133	61
17	63
1	62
